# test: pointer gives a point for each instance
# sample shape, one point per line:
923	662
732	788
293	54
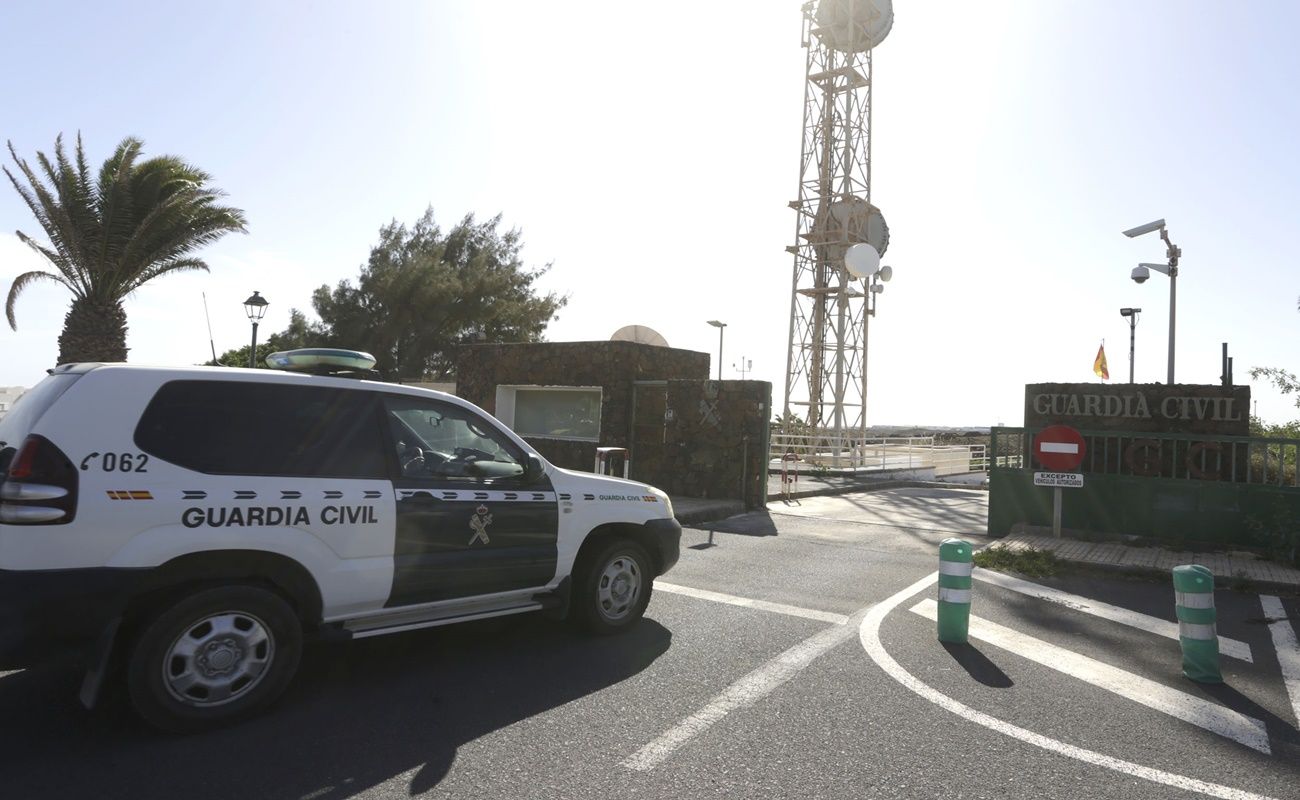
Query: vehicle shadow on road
358	715
978	665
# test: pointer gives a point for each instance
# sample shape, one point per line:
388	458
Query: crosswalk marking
1288	650
1189	708
1133	619
748	602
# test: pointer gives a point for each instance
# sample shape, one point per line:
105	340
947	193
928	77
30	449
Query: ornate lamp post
256	308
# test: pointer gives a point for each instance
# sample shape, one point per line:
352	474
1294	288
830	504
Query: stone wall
717	435
1118	419
1140	407
613	366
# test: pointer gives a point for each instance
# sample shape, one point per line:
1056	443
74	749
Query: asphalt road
752	676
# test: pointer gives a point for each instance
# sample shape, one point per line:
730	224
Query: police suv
187	528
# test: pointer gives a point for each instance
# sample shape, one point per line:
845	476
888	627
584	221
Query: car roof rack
326	361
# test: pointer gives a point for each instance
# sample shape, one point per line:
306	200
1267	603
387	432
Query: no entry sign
1059	448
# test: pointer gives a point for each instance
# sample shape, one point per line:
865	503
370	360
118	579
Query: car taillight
40	486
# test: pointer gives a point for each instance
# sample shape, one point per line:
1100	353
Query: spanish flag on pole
1099	363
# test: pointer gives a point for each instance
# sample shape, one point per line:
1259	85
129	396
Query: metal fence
1235	459
826	449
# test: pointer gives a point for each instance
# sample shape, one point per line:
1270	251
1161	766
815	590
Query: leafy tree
109	235
299	334
1286	382
422	293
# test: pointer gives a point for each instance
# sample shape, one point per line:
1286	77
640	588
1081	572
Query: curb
1154	573
704	515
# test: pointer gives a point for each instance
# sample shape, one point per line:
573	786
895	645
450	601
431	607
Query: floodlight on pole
1132	315
1142	273
721	326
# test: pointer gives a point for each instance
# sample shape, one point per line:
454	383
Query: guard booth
1171	463
682	432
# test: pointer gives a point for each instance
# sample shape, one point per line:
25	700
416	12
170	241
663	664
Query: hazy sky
649	151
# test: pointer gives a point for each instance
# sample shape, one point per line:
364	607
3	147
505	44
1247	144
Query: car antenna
211	343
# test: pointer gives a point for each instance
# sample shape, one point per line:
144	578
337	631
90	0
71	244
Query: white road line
743	693
869	634
746	602
1133	619
1288	650
1181	705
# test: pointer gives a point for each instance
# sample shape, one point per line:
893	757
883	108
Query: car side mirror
534	468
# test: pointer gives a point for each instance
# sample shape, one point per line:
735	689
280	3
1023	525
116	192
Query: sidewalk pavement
1111	555
694	511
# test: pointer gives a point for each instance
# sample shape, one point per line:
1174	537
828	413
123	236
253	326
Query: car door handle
422	499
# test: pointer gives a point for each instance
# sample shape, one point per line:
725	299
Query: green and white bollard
1197	633
954	590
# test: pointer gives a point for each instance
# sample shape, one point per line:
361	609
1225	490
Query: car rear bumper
47	613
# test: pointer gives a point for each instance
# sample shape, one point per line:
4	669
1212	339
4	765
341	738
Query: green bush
1030	561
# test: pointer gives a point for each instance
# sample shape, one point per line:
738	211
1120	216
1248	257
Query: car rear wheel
218	655
613	588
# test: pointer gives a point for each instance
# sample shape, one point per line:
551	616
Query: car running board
410	621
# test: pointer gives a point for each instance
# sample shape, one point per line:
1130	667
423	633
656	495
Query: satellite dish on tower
849	222
862	260
639	334
854	26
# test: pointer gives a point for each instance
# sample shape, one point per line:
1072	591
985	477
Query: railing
980	460
828	450
1206	457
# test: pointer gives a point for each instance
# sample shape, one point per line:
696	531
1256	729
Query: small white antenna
207	316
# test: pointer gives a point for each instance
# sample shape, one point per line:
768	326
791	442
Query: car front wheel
614	587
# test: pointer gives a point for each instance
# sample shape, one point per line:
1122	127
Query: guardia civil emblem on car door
479	522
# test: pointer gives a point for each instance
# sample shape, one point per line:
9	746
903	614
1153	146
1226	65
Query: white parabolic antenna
639	334
862	260
854	26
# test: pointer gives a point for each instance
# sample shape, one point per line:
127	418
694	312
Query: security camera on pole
1142	272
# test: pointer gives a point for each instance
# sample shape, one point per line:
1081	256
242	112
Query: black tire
612	587
237	647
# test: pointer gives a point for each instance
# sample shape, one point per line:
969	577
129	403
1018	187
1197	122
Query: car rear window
246	428
28	408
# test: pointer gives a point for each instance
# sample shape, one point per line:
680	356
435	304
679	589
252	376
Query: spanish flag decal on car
132	494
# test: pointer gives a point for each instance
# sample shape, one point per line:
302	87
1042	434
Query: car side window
258	428
441	441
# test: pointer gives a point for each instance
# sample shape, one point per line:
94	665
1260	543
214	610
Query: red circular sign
1059	448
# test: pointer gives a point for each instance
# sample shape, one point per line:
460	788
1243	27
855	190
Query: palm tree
110	235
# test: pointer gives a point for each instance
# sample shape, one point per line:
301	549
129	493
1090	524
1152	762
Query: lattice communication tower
825	382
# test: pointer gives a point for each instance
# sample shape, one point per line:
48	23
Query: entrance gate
648	434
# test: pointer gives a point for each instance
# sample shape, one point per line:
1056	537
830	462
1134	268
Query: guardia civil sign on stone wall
1140	407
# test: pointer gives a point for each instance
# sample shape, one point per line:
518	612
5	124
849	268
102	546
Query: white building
8	394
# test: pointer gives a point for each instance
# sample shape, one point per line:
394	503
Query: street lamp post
873	285
1132	315
255	306
721	326
1142	272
